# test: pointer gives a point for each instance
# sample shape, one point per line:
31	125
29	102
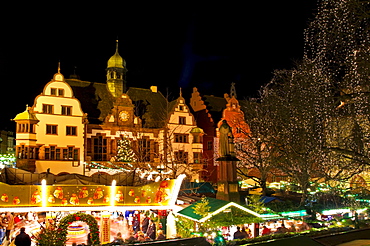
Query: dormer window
181	108
182	120
56	92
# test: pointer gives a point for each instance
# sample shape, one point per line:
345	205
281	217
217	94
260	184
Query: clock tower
122	113
116	74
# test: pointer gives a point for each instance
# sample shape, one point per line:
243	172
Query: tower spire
116	74
232	90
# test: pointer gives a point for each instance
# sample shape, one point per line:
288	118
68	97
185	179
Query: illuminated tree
124	151
337	41
337	36
319	109
297	105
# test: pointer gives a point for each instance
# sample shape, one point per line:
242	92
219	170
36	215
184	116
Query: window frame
66	110
51	129
47	108
60	92
182	120
181	138
71	130
53	91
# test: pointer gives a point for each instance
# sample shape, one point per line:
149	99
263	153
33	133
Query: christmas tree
124	151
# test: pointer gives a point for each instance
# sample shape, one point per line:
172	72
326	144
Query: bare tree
255	146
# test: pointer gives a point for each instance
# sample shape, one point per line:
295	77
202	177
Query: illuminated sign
155	194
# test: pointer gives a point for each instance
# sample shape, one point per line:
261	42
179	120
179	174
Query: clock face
124	115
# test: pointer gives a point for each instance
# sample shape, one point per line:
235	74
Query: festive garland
90	221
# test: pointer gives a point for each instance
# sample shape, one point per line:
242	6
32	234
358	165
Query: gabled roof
95	99
172	105
150	106
267	199
216	206
215	104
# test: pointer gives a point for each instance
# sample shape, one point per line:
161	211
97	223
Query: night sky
170	46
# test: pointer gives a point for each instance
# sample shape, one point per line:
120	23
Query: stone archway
88	219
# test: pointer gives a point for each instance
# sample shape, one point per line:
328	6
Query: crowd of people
242	233
148	232
12	230
7	224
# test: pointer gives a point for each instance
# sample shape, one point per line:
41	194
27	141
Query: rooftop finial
180	92
59	67
232	90
117	45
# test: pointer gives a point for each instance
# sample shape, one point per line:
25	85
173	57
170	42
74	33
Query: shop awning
216	206
197	188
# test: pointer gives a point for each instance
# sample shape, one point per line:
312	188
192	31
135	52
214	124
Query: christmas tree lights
124	151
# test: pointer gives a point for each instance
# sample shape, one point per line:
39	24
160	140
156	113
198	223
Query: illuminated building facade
209	113
50	133
83	121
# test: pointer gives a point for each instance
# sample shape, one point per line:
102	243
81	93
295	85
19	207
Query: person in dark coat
136	225
22	239
144	225
238	234
151	232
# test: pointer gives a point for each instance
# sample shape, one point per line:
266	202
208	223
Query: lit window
75	154
70	153
197	138
71	131
66	110
197	157
52	129
47	108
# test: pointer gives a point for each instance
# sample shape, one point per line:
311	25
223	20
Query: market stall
115	208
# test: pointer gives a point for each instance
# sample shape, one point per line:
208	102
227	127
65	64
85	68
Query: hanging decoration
88	219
